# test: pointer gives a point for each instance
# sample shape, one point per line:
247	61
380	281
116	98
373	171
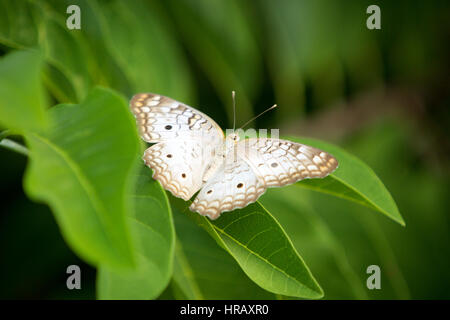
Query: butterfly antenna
233	96
245	124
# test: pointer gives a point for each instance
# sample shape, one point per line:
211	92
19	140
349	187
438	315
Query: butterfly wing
280	162
234	186
160	118
176	164
185	139
254	166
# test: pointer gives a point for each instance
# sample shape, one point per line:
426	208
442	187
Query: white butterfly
192	153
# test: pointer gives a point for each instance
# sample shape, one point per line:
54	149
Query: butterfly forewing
176	164
280	162
160	118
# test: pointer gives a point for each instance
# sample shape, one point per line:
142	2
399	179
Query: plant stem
12	145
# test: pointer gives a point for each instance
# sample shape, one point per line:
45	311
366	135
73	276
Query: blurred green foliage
317	60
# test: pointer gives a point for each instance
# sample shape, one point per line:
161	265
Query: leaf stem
14	146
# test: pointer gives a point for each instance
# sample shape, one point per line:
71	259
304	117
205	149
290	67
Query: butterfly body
191	154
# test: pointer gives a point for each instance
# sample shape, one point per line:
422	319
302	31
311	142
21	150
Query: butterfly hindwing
177	165
255	165
280	162
234	186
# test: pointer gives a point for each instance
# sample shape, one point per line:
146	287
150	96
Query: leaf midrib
189	273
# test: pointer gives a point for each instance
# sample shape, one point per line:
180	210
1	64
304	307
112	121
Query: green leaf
154	241
21	23
353	180
66	52
262	249
22	100
100	61
17	26
81	168
320	246
202	269
158	52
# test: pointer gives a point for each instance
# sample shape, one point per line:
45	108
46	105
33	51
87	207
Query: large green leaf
81	168
353	180
262	249
22	100
203	270
154	241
